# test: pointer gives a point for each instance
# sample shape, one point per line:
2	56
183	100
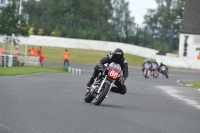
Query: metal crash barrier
6	60
73	70
18	60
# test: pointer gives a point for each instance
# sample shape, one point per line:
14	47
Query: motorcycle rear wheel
102	94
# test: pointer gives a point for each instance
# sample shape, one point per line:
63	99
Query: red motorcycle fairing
113	74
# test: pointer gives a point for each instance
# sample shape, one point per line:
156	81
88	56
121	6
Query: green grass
196	83
54	54
85	56
22	70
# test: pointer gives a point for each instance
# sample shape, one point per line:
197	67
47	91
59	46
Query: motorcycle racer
155	62
147	61
161	64
117	56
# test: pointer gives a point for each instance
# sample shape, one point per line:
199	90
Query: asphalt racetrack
53	103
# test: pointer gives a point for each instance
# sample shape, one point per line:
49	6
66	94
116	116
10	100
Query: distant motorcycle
164	71
154	70
103	83
147	70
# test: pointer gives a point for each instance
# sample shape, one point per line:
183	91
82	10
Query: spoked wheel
102	95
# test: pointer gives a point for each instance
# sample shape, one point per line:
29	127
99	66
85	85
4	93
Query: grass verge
196	83
13	71
54	54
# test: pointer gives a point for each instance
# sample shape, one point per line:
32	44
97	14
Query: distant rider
116	56
147	61
161	64
155	62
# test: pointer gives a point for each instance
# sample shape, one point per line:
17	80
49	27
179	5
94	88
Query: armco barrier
32	61
4	60
73	70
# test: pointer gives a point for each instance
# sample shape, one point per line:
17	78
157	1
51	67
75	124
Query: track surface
53	103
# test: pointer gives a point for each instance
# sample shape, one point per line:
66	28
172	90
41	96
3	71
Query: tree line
162	25
107	20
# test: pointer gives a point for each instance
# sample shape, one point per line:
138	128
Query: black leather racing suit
161	64
121	88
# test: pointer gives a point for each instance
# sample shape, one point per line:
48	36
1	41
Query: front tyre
154	74
102	95
145	73
88	97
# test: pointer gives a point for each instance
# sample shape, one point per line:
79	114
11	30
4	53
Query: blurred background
107	20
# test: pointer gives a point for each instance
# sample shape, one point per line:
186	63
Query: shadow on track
103	105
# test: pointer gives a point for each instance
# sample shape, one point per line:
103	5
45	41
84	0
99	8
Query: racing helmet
148	60
118	54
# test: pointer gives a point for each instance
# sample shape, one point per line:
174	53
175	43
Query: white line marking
29	74
189	85
179	82
174	93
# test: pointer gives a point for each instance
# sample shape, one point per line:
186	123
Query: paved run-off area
53	103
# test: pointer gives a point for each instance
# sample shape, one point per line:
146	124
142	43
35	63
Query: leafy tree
31	31
121	20
88	19
11	22
165	20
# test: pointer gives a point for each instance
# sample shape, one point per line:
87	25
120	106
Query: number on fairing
113	74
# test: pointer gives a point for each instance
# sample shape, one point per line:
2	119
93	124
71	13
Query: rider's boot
115	90
90	83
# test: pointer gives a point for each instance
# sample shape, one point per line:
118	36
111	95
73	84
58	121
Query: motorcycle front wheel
155	75
145	73
100	97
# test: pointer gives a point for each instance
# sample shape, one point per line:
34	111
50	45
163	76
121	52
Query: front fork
103	82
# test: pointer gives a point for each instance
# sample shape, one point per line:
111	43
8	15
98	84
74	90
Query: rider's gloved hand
122	80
